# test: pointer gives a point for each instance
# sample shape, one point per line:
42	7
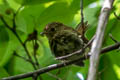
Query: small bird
64	40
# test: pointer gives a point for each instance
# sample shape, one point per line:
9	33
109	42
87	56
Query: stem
97	43
82	16
60	65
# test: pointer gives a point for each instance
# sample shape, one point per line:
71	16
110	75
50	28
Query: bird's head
52	28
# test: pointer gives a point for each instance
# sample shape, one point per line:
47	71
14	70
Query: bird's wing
66	42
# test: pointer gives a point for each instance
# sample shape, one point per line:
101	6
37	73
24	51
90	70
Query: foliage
34	15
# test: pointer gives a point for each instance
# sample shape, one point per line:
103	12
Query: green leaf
4	38
27	19
3	73
8	43
61	12
106	71
35	2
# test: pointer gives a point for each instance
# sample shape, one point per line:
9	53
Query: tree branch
13	29
82	16
35	47
15	33
21	57
116	16
56	66
76	52
113	38
97	43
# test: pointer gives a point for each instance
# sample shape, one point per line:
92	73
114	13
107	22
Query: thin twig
82	16
15	33
35	57
24	46
21	57
13	29
36	60
97	43
116	16
81	25
76	52
35	76
14	17
56	66
110	48
9	27
113	38
54	76
50	74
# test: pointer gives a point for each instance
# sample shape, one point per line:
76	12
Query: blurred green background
35	14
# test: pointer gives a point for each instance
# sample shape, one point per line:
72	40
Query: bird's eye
52	29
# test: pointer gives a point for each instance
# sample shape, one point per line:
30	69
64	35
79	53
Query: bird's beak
42	33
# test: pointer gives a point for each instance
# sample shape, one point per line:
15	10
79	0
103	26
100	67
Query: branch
82	16
110	48
15	33
76	52
113	38
116	16
60	65
97	43
2	19
21	57
13	29
35	47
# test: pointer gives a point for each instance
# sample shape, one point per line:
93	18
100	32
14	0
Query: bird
64	40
